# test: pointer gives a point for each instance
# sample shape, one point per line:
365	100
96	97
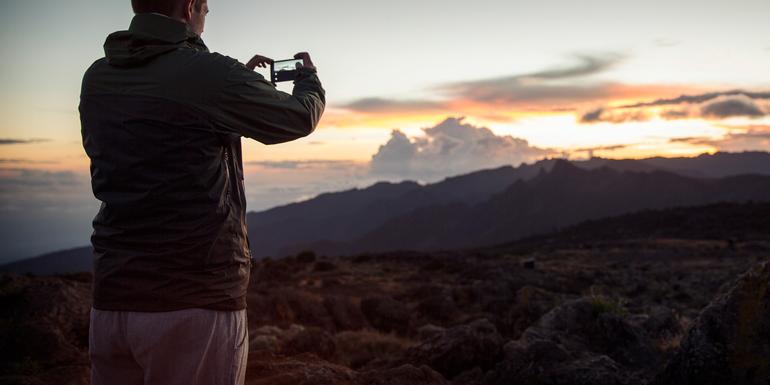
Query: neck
167	16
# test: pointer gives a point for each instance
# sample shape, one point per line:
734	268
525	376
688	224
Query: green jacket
161	121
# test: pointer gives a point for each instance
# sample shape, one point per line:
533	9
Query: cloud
602	148
450	148
295	164
546	85
755	137
730	106
8	141
551	89
712	105
27	161
602	114
666	43
20	179
700	98
675	114
393	105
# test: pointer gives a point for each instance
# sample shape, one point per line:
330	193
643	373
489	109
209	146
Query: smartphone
285	70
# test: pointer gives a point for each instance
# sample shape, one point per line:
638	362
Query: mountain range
482	208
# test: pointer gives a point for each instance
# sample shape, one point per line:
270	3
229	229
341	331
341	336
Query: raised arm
251	106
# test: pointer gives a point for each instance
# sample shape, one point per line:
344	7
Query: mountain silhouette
564	196
481	208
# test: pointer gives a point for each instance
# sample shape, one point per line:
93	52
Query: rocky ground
627	311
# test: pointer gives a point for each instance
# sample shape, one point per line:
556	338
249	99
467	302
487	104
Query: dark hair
166	7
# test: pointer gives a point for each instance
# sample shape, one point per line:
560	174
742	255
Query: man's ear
188	9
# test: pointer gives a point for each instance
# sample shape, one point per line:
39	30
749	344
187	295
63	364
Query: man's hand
306	62
258	61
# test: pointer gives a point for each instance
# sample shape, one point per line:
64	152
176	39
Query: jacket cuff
304	72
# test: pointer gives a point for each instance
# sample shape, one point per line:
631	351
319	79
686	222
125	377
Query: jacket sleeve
251	106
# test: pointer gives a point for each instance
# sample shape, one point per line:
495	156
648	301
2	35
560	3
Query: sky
415	90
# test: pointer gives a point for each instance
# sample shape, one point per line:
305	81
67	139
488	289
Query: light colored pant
184	347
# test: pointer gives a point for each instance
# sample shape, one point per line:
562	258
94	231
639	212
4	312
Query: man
161	120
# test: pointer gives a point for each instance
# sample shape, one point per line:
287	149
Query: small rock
386	314
460	348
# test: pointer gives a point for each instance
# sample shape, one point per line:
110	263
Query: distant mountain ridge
562	197
482	207
319	232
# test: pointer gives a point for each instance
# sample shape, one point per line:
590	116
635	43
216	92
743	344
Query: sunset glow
554	79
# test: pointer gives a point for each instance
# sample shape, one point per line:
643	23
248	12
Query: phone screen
284	70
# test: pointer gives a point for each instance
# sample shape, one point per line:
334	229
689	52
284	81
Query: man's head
192	12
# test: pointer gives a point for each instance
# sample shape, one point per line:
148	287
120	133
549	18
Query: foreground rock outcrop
44	330
730	341
584	341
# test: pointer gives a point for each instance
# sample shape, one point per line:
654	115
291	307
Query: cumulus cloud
7	141
451	147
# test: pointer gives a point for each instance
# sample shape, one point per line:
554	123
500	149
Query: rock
266	368
369	348
730	340
528	263
402	375
312	340
531	303
469	377
460	348
428	331
344	312
439	307
578	342
386	314
44	330
662	322
272	338
284	306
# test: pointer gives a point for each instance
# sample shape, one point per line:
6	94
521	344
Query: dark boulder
266	368
730	341
460	348
406	374
583	341
310	340
386	314
344	312
44	330
531	303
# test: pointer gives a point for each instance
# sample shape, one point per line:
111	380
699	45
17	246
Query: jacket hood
149	36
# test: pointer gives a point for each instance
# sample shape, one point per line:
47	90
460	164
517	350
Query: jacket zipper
227	203
227	168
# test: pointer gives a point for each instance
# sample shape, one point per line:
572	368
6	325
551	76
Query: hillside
577	306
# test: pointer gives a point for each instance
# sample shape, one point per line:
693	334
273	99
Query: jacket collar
149	36
164	28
